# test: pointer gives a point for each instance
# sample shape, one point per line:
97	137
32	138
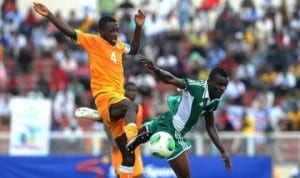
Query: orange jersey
106	65
116	156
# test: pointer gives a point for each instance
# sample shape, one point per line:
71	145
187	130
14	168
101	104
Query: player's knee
132	106
129	105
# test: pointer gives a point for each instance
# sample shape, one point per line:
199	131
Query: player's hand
139	18
40	9
148	63
227	161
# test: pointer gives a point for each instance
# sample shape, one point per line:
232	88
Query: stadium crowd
258	46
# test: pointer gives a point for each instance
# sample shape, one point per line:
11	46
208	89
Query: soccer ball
161	144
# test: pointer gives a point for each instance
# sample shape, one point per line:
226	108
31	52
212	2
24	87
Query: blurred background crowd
258	45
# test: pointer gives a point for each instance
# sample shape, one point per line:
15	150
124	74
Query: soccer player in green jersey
199	98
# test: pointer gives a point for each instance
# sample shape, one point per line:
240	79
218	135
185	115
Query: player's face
110	32
217	86
131	92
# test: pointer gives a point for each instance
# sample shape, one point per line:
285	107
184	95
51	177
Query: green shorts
163	122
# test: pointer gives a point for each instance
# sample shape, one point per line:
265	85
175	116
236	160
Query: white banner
30	126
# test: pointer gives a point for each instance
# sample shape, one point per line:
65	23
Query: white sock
126	169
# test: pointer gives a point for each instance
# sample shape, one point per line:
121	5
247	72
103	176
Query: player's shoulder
87	36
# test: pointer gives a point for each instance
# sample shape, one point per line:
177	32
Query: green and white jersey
194	102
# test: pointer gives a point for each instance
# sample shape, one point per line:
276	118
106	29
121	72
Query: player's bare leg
181	165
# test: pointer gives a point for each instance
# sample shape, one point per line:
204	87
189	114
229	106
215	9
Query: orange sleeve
84	39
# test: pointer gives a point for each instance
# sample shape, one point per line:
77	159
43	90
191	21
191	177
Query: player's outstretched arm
163	75
139	19
213	134
63	27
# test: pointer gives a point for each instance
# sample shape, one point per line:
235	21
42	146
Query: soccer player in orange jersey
105	57
116	157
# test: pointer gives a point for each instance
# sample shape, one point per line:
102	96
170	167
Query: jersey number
113	57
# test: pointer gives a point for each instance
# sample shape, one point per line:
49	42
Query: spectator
8	6
153	28
68	63
264	98
5	110
184	9
267	77
106	7
58	79
19	42
43	85
48	44
294	117
295	70
64	104
235	91
30	20
83	74
77	88
25	60
277	117
284	82
264	31
73	20
246	73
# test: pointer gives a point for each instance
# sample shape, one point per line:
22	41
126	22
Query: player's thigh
181	166
118	110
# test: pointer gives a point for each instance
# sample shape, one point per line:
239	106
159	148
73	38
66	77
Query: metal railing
284	147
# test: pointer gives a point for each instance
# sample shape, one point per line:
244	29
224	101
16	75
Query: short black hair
129	84
104	20
218	71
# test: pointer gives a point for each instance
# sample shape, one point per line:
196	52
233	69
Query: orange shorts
103	102
116	160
